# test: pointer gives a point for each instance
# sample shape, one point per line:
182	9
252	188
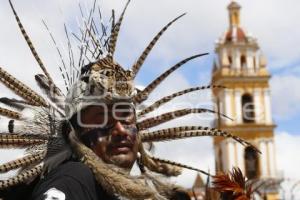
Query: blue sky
272	22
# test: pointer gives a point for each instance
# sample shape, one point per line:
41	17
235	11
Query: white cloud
285	96
194	33
195	152
287	152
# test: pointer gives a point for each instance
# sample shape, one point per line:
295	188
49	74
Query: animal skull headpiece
103	81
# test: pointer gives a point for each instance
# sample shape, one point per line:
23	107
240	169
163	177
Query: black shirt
70	181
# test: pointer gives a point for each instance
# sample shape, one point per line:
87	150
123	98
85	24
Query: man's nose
119	130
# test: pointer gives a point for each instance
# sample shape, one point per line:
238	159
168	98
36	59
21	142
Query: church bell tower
240	66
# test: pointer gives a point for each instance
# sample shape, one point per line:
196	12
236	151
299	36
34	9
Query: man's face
112	133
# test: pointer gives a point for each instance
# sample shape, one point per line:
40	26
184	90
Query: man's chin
124	160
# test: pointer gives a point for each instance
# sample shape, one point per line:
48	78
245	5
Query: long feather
113	19
52	92
14	103
18	141
40	123
22	162
172	96
21	89
63	70
143	95
21	178
136	67
43	82
115	33
154	121
30	45
145	160
187	132
179	165
10	114
71	56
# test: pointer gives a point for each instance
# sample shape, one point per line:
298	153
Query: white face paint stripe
54	194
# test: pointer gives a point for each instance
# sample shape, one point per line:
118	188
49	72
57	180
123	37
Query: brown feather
145	160
187	132
172	96
21	162
178	165
52	92
143	95
154	121
30	44
18	141
136	67
43	83
14	103
10	114
21	89
115	33
21	178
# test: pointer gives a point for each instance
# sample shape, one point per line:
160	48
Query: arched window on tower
230	60
243	62
248	108
251	163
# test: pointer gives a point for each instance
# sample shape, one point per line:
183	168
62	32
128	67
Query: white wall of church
267	106
238	105
272	161
240	161
227	104
257	106
231	105
263	158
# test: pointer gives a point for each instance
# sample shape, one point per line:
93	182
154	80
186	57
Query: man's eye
124	114
99	113
124	117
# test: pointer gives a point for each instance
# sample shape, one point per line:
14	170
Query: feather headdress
39	123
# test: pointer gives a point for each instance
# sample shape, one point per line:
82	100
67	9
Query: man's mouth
121	148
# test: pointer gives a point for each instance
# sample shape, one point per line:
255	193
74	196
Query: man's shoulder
72	168
71	171
65	179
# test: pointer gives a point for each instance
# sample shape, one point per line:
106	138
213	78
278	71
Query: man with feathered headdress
86	149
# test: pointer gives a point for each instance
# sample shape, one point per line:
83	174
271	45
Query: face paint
90	136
